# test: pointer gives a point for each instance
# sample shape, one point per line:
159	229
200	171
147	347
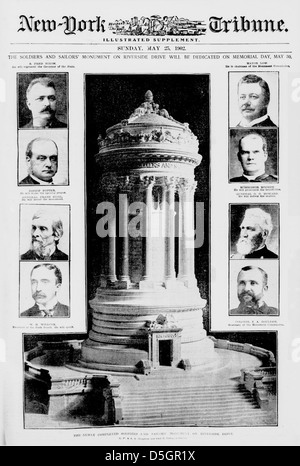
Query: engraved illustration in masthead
158	26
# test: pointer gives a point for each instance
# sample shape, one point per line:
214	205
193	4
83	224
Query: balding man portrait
42	162
41	100
255	231
252	286
253	155
254	98
47	230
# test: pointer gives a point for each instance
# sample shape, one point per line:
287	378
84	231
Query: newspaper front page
150	212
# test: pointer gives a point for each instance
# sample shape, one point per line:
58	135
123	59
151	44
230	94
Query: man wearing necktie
46	281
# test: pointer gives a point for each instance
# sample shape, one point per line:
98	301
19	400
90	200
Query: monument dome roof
149	125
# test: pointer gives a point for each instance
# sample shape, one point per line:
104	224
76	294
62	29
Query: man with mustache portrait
46	232
46	281
252	285
41	101
256	229
254	99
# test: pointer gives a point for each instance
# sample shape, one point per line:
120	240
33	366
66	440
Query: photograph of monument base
236	387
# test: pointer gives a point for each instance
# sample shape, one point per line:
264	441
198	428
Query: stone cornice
124	157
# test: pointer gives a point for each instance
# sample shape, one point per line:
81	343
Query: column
112	233
108	188
187	225
124	275
169	211
147	184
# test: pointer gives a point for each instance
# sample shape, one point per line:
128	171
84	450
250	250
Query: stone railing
39	374
113	402
262	384
261	353
55	353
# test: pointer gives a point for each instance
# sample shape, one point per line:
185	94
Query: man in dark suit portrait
46	232
46	281
41	101
42	162
252	286
253	155
254	98
256	229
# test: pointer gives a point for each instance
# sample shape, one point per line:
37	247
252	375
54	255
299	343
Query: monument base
121	359
65	396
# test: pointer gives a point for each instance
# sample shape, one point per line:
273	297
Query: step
239	410
203	424
164	387
184	394
186	390
189	416
195	398
194	404
171	422
216	418
185	413
196	420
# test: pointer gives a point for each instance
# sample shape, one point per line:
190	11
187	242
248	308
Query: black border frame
257	71
67	130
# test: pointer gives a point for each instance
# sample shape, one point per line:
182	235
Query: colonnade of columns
170	186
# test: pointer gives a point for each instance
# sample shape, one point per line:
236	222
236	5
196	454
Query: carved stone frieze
122	137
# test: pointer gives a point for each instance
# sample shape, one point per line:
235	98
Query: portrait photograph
44	233
254	231
253	156
254	288
254	99
43	158
44	290
43	100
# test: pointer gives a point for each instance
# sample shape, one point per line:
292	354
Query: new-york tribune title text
154	25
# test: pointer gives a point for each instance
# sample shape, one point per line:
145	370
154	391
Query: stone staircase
152	402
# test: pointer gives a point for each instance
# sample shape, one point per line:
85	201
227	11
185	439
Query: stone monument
148	311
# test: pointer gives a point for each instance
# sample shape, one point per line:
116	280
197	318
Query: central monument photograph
148	309
149	358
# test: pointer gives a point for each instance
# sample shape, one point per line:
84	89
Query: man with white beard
46	232
256	229
252	286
